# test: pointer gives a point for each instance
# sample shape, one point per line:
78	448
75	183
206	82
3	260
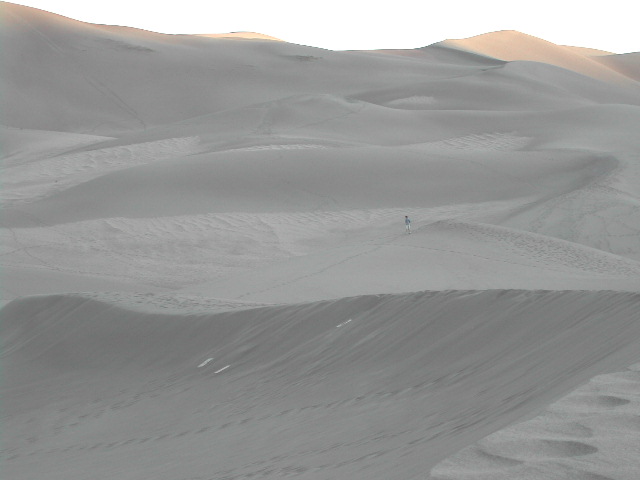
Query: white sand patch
205	363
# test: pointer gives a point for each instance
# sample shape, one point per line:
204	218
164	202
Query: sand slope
204	251
510	45
380	386
246	35
86	91
626	64
590	433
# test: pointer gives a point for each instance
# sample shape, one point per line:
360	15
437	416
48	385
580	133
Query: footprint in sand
629	423
502	459
535	449
475	460
589	403
543	427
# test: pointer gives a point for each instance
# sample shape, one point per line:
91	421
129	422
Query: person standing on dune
407	224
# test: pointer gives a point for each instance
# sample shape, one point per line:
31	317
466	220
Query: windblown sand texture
206	275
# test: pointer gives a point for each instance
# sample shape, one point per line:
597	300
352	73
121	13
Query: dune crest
242	35
511	45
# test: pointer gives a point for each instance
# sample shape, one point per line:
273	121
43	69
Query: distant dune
243	35
511	45
626	64
206	271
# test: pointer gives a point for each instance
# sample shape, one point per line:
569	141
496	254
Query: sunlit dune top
244	35
12	12
512	45
588	52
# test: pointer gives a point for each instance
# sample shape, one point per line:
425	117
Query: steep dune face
365	387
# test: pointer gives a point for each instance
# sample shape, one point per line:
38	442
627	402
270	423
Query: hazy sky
359	24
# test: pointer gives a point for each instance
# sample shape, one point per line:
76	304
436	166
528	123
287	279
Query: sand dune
207	276
512	45
421	374
241	35
21	146
85	90
580	436
626	64
300	180
494	257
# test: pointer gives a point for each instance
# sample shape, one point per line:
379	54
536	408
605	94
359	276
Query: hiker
407	223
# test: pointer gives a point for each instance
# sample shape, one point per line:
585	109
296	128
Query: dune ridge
510	45
232	377
241	35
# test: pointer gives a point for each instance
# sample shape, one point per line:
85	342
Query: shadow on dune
402	380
